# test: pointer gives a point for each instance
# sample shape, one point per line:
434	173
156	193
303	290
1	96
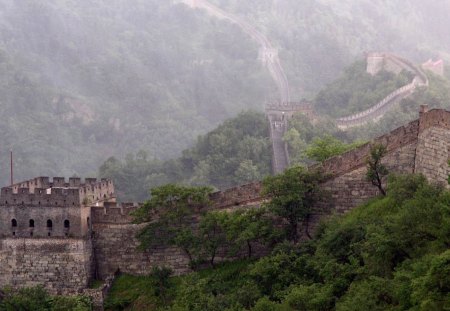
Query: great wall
63	235
278	113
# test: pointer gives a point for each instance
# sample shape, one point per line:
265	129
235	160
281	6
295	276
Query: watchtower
41	207
278	115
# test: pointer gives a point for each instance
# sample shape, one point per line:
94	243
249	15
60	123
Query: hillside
82	81
389	254
85	80
238	151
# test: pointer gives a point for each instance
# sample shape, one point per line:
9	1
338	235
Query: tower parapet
41	207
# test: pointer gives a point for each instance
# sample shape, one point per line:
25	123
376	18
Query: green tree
212	234
249	226
292	195
376	170
168	215
247	172
326	147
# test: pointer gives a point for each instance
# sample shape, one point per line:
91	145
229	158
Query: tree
212	233
246	172
169	215
249	226
292	196
376	171
327	147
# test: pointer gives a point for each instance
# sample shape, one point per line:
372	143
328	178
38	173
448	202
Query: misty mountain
81	81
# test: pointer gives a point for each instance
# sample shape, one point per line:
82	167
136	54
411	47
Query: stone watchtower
45	232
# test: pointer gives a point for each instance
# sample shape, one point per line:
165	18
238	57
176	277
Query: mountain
85	80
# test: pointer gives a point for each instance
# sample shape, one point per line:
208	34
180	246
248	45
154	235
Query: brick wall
116	248
62	266
66	265
433	148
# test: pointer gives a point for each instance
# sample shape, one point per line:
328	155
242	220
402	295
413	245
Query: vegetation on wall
389	254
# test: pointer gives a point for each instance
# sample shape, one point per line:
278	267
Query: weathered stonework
63	266
101	239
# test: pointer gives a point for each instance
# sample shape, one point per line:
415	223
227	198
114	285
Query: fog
84	80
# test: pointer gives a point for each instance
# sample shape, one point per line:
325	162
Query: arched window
31	223
66	224
13	223
49	224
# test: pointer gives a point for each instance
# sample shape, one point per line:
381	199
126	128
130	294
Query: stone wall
66	265
62	266
116	249
433	149
351	189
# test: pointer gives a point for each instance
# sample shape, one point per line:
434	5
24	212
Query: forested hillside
389	254
317	39
236	152
85	80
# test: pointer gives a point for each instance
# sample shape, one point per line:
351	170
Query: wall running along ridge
65	264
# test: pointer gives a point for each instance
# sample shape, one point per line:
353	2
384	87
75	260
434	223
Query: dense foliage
180	216
310	142
81	81
37	299
236	152
356	90
437	95
391	254
169	215
318	39
292	196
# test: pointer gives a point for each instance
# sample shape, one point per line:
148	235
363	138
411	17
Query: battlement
237	196
436	67
111	213
289	106
434	118
57	190
356	158
40	197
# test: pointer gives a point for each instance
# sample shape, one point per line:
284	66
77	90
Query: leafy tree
326	147
389	254
246	172
168	215
376	170
292	195
249	226
162	282
212	234
238	151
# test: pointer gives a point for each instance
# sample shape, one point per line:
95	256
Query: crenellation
57	234
74	182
